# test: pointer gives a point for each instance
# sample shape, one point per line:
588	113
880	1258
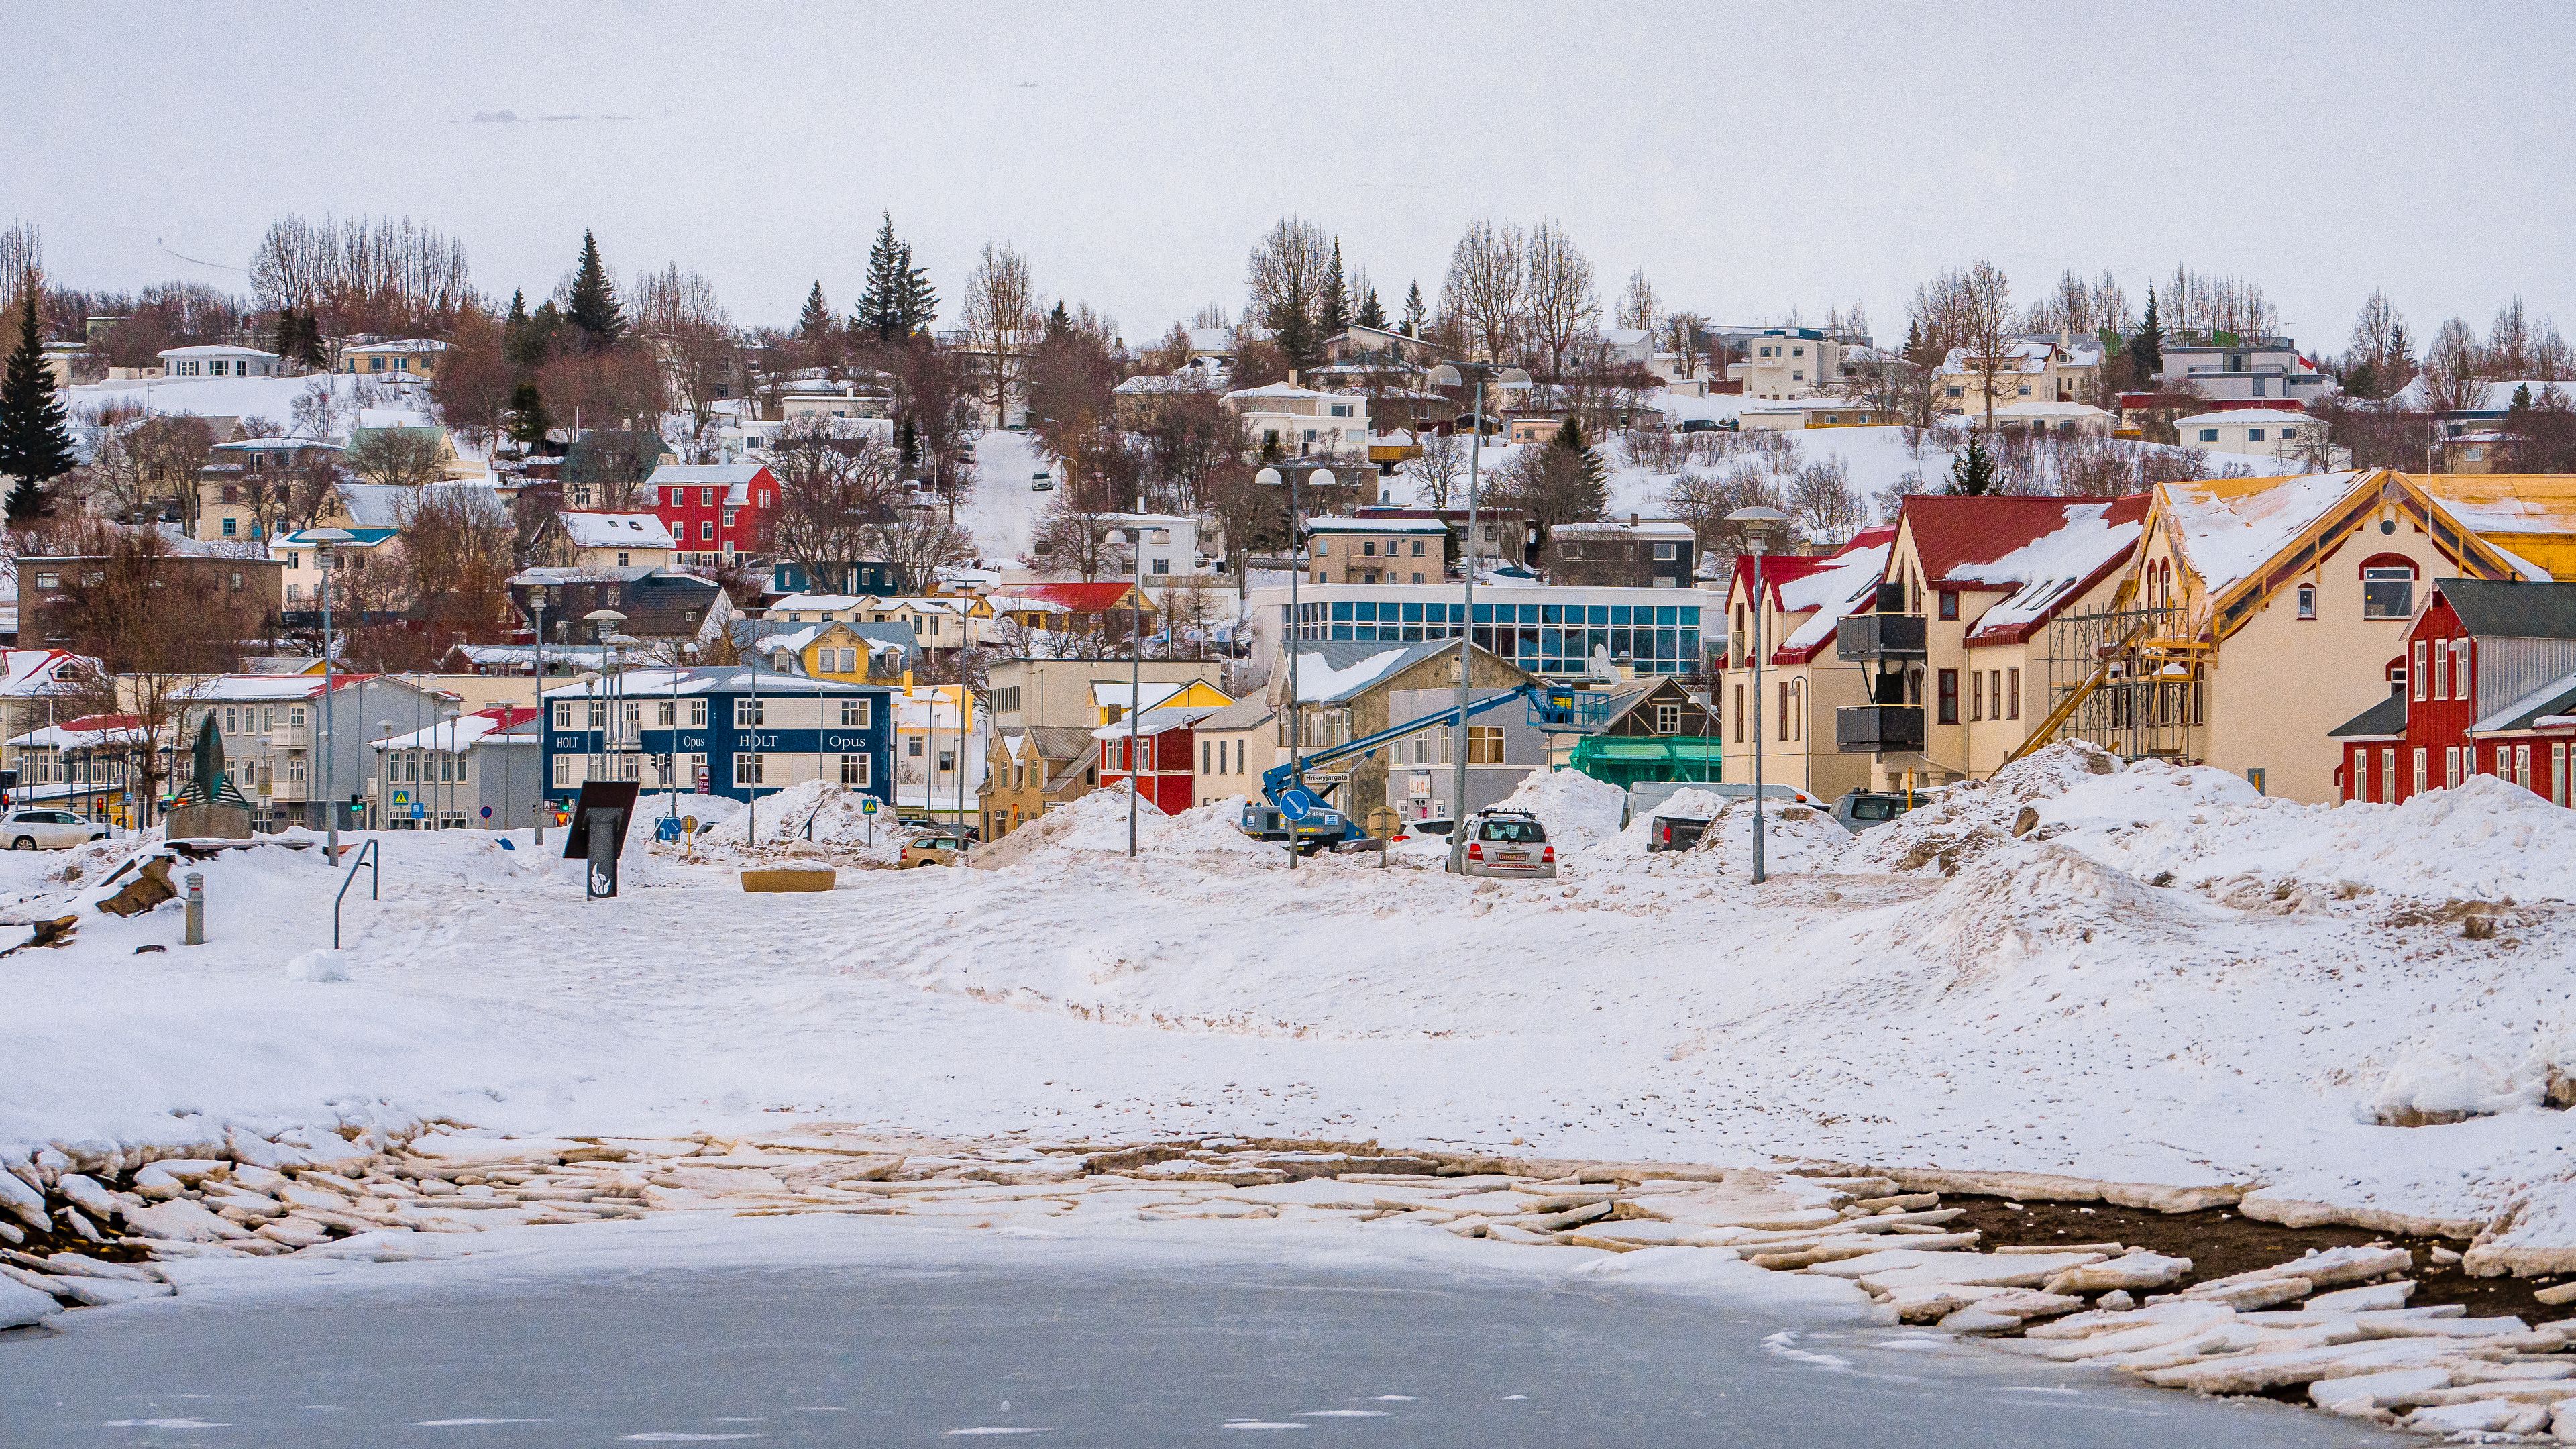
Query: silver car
47	830
1508	843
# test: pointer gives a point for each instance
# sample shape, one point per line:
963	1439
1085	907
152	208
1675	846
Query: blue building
1555	632
729	731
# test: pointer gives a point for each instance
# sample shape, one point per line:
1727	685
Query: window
748	711
1484	744
232	719
1417	548
2459	669
854	713
2307	601
1976	695
1668	719
2450	766
2253	435
1664	552
1739	714
2423	773
912	746
2522	766
229	527
563	714
2388	591
1948	697
2012	695
746	769
1162	566
2209	435
854	771
2417	673
1949	604
2388	775
2557	774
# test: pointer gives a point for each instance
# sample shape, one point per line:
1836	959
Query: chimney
1292	377
1632	520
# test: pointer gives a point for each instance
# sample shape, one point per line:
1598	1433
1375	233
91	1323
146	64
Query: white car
48	830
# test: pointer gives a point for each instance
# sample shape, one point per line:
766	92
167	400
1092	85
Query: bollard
196	909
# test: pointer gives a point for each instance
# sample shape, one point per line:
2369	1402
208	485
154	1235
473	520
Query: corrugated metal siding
2508	669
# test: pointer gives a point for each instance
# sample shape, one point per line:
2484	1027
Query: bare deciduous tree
1639	307
1562	306
1981	315
1486	288
458	555
360	274
1439	470
22	262
830	492
1077	540
1681	334
2455	368
675	312
1287	270
474	379
1001	320
2207	302
1822	501
1890	385
399	456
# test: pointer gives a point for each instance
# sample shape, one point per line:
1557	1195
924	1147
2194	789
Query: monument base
209	820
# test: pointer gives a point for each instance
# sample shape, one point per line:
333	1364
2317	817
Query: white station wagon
47	830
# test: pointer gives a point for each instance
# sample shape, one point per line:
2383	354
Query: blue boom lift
1287	808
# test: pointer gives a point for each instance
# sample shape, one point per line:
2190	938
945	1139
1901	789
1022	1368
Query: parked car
1648	797
1681	832
939	847
1860	810
1508	843
1437	829
1042	482
48	830
1707	425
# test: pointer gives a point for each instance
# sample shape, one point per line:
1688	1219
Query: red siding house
2487	686
1166	765
715	511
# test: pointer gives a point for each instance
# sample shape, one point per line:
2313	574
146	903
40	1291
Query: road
1119	1357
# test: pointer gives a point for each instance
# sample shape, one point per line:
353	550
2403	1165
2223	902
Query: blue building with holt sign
731	731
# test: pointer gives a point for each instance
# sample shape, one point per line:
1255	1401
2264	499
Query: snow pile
839	827
1796	839
1975	816
1579	812
1096	824
2431	1086
2031	897
319	964
2485	840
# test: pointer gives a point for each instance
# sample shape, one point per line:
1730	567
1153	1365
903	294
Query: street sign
868	806
487	812
419	811
1295	803
689	823
702	779
666	829
402	799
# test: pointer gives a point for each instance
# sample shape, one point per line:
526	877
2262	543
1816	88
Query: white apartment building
1782	363
1302	420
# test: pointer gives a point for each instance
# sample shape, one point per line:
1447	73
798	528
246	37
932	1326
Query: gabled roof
1336	670
614	530
1848	585
1953	534
1073	598
467	731
2227	529
2512	610
2384	720
2053	570
1050	742
2550	701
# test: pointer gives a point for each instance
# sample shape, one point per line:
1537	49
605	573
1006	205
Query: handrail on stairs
372	858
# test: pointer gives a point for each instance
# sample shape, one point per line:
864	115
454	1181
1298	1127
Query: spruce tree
880	309
920	299
1972	473
1059	322
593	304
527	417
1414	315
35	440
284	339
518	310
1371	314
1333	308
815	322
2147	347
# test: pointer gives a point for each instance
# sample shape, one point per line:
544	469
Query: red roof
1080	598
1952	531
1778	569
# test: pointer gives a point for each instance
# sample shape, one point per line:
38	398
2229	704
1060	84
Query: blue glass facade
858	722
1545	639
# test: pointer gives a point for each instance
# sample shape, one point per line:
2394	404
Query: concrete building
1376	550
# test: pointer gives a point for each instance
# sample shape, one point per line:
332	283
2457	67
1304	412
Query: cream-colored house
938	622
406	356
1803	681
1301	420
2260	613
2031	369
2280	435
1799	414
615	540
1377	550
1786	363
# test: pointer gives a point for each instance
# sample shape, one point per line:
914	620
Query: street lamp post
1451	374
671	764
323	541
537	598
1270	478
1758	524
1136	537
603	627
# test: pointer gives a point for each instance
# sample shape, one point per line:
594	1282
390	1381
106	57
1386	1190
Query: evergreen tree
1596	479
2399	361
2147	346
527	417
1333	308
593	305
1414	316
1972	473
518	310
815	322
898	300
283	341
1294	334
35	441
1371	314
532	339
1059	322
907	443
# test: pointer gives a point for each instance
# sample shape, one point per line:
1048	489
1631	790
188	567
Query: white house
215	360
1783	363
617	540
2224	367
1302	420
412	356
2283	434
1171	542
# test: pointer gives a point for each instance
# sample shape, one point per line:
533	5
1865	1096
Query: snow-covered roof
396	345
1318	680
215	349
839	603
2055	567
1335	523
382	505
615	530
265	688
2259	417
705	473
2044	408
1161	384
501	724
1639	528
87	732
1155	721
1835	594
2227	528
1282	392
26	672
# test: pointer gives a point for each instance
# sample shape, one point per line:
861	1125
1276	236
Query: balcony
1879	728
1879	636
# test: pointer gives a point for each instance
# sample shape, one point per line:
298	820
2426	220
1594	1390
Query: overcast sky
1750	163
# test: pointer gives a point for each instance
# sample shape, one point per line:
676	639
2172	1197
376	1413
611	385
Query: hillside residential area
717	808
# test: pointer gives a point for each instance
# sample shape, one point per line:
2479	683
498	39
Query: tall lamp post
671	762
1137	534
1758	524
603	627
537	598
324	540
1454	374
1270	478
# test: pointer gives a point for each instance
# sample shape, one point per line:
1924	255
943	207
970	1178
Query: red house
715	511
1165	766
2487	686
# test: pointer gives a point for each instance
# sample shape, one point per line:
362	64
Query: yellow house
1804	684
937	621
832	651
2257	614
403	356
1110	701
615	540
2529	515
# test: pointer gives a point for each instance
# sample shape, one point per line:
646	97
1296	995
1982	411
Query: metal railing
374	860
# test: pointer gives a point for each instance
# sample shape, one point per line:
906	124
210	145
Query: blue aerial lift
1287	809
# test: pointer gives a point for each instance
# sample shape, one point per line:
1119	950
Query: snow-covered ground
2145	975
1000	512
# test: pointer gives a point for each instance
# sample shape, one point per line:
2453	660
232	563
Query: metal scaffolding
2128	680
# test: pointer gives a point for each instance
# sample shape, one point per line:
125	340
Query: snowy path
1001	513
